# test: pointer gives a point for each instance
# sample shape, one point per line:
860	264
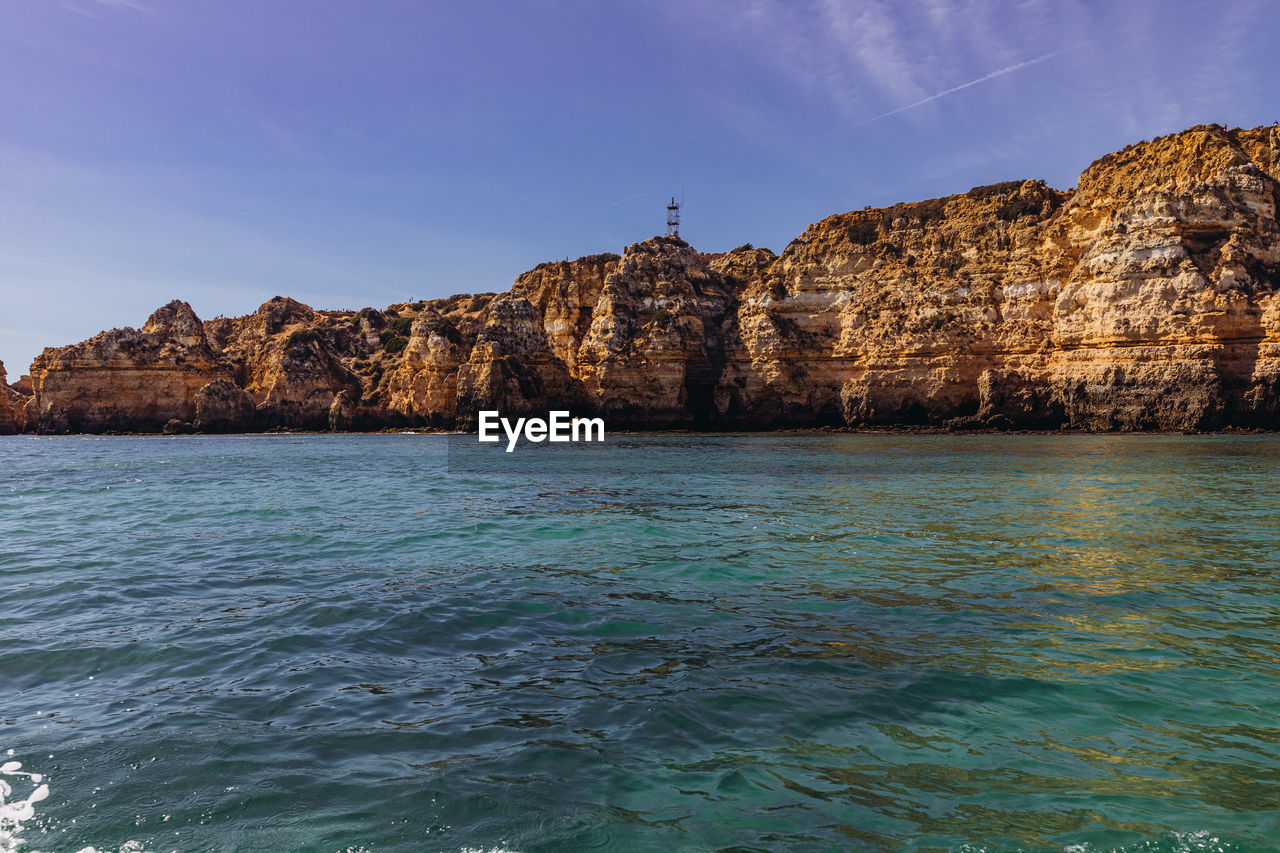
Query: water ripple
674	642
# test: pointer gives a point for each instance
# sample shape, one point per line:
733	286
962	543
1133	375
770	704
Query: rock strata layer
1144	299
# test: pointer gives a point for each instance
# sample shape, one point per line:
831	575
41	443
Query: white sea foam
16	811
1200	841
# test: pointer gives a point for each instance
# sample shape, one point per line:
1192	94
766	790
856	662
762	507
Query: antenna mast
673	218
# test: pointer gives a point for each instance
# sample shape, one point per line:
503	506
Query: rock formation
1145	298
127	379
223	406
13	415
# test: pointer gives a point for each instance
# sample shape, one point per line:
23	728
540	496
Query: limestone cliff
1146	298
1167	316
634	338
126	379
1143	300
13	416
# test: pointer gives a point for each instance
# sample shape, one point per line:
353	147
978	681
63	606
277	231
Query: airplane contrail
627	199
610	204
1018	66
1009	69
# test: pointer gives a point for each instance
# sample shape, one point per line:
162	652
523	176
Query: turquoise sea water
716	642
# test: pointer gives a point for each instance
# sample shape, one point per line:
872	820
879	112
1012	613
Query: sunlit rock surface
1145	298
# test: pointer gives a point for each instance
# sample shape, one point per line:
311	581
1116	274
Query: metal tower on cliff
673	218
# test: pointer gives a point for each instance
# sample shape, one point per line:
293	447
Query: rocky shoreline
1145	299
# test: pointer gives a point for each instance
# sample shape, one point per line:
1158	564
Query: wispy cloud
871	41
124	4
96	8
859	58
285	139
830	67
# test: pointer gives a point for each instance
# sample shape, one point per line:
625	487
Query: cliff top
997	214
1178	162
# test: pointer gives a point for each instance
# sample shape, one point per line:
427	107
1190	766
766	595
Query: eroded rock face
297	379
1144	299
223	406
126	380
636	339
511	367
890	316
654	350
285	355
425	385
1166	320
13	414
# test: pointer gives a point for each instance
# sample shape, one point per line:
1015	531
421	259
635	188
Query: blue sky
373	151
